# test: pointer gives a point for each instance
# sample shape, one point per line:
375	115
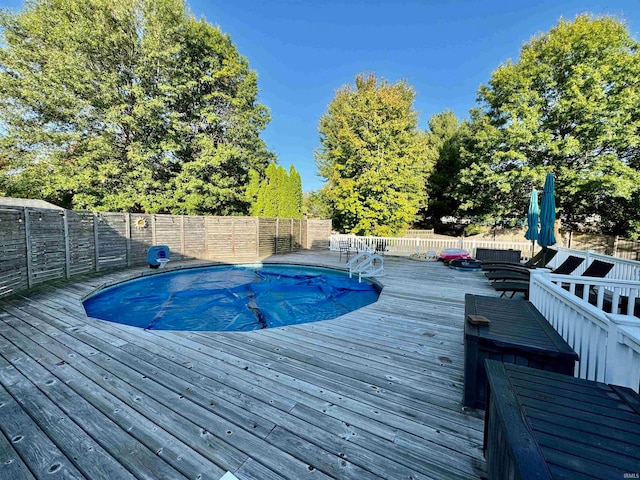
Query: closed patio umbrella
547	213
532	220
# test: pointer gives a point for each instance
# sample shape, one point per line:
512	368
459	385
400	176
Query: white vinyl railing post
588	255
535	276
619	370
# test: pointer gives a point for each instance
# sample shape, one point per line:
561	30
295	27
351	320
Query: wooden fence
37	245
605	244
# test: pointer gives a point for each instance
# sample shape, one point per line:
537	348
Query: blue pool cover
231	298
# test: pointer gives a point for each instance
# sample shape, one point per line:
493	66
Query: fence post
154	240
257	219
67	245
96	249
127	228
300	246
27	241
206	236
291	238
277	235
182	235
233	237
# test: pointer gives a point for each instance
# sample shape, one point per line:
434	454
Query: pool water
232	298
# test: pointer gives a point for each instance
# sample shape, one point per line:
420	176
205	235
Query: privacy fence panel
606	244
81	242
41	244
141	238
629	249
318	233
194	232
169	232
112	240
46	237
284	238
296	235
268	232
13	261
219	239
586	241
245	237
304	236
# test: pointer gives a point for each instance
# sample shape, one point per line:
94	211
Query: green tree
570	105
296	195
373	157
315	205
445	134
278	194
281	192
131	105
266	204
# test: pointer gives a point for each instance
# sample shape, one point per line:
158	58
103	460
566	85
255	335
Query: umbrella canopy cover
547	213
532	217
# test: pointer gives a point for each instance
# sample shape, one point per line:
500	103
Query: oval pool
231	298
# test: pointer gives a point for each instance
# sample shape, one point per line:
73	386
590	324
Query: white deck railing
608	344
610	295
623	269
419	246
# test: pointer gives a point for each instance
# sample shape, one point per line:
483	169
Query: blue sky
303	50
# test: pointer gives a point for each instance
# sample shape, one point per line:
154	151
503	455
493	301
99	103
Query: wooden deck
372	394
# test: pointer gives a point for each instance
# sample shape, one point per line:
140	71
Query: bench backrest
496	255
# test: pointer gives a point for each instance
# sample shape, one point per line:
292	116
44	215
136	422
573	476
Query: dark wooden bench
496	255
517	333
545	426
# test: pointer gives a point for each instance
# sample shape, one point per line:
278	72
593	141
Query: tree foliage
315	205
373	157
132	105
445	136
571	105
278	195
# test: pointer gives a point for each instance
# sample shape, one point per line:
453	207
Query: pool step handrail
364	264
360	257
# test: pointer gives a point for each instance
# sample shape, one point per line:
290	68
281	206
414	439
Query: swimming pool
231	298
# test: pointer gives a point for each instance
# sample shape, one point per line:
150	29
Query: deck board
373	394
